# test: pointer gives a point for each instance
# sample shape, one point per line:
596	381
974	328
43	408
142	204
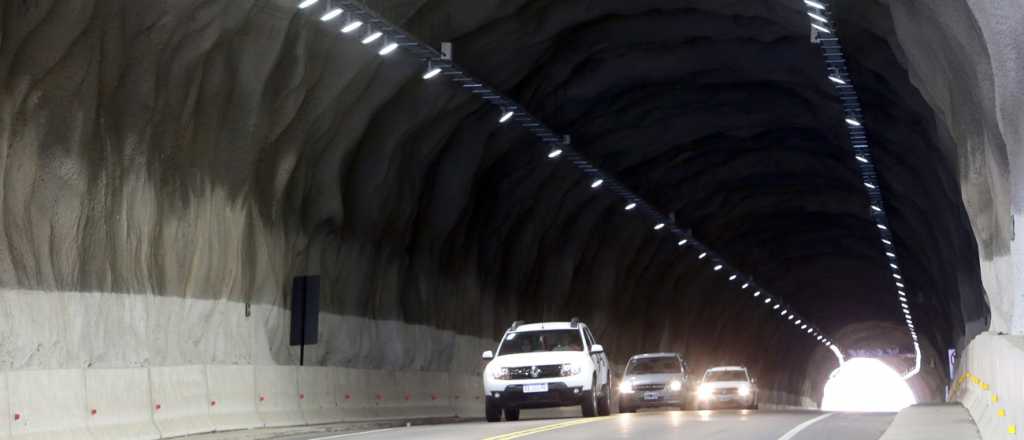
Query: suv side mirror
597	348
488	355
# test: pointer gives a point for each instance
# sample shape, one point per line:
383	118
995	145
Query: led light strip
837	72
357	16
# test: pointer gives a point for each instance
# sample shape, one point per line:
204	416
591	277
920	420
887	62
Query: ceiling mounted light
894	266
349	28
555	153
862	159
508	115
821	28
431	73
837	80
882	227
776	307
702	255
783	312
767	300
659	226
890	254
902	293
817	17
758	293
331	15
875	208
307	3
853	122
718	268
897	276
803	326
869	185
630	206
745	285
681	242
798	322
390	47
887	242
899	285
814	4
902	299
597	183
372	37
732	277
810	330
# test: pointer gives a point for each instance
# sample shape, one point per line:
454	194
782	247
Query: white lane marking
793	432
353	434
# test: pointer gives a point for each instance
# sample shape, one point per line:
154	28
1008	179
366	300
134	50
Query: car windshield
541	340
726	376
653	365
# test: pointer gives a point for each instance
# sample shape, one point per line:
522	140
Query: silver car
654	380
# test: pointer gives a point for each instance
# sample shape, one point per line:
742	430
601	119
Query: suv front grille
722	391
649	387
535	372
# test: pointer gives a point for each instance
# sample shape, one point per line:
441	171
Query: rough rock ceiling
719	113
214	149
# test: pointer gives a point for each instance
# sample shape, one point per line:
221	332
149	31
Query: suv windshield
541	340
726	376
653	365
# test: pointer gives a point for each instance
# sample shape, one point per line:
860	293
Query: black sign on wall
305	312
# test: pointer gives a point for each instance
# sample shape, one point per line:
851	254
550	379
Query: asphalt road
647	425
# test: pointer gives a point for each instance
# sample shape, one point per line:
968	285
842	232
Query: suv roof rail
516	324
575	322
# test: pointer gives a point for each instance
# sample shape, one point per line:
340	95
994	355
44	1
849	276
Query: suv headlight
744	390
675	385
570	370
626	387
500	373
704	391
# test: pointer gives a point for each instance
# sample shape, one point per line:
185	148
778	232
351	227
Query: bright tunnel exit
866	385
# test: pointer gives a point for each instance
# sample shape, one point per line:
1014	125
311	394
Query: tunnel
169	168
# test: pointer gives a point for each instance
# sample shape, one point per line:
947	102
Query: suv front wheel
492	411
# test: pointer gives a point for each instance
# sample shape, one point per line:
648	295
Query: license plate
650	396
537	388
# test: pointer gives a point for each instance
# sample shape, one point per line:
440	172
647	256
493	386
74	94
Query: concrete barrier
466	396
355	395
277	396
180	404
318	403
232	393
5	408
423	394
118	402
991	386
47	404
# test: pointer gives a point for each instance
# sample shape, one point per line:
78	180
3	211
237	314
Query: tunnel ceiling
716	112
415	205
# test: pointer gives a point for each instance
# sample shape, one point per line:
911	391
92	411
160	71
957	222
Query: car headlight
500	373
744	390
704	392
675	385
626	387
570	370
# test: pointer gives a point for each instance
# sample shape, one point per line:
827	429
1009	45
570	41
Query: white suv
545	365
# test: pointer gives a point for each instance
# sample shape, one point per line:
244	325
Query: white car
544	365
727	387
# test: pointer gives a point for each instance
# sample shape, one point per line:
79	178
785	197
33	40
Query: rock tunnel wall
163	164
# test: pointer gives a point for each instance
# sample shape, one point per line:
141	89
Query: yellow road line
546	428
